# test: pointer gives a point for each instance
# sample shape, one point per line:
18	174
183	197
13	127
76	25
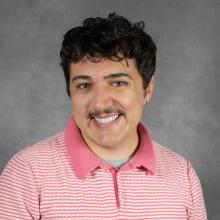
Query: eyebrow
116	75
80	77
110	76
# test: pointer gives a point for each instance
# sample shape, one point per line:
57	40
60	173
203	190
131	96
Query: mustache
107	110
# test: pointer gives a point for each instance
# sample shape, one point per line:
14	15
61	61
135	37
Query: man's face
108	99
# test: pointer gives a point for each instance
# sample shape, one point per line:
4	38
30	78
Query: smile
107	119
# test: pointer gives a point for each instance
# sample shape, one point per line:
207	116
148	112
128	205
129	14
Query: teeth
106	120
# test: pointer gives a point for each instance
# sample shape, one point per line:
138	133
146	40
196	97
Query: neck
123	150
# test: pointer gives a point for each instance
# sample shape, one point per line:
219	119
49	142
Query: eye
119	83
83	86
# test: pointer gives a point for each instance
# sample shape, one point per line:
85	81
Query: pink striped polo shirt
60	178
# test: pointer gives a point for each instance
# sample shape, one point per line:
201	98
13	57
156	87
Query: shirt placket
114	172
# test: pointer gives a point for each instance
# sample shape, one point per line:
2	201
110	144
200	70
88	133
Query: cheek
134	99
78	105
134	106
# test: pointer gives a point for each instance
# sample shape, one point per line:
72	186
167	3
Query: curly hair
114	38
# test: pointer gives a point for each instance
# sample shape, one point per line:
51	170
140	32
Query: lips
105	120
105	117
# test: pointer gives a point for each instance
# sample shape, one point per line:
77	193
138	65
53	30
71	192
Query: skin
103	89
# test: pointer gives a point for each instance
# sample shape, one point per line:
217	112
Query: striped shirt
60	178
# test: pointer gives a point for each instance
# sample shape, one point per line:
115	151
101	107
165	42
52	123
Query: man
105	164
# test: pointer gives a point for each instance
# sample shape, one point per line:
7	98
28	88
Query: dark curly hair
114	38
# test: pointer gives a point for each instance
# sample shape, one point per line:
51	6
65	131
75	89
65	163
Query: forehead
103	68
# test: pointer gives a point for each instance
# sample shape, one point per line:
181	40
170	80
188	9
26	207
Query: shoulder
41	154
43	148
165	153
40	160
170	162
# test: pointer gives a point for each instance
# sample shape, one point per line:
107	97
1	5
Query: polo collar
84	161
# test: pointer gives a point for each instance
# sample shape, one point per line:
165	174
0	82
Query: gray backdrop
184	111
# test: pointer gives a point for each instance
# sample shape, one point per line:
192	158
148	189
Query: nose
101	98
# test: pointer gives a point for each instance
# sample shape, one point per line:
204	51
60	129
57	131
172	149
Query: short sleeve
198	209
19	197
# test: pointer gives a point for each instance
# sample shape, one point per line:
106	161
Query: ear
149	90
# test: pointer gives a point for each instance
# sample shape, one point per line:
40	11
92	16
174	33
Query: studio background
184	111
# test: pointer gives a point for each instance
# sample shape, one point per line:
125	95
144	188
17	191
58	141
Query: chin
108	142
